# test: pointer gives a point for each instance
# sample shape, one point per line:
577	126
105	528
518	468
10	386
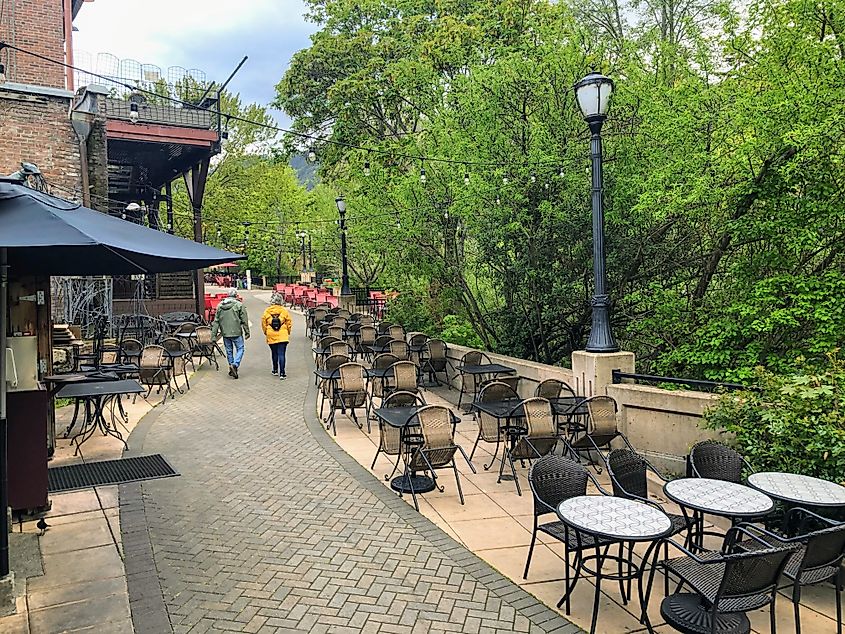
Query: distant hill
306	172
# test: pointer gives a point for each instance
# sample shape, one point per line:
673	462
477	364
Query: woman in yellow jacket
277	326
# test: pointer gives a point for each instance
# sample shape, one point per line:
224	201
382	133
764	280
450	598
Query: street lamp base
601	338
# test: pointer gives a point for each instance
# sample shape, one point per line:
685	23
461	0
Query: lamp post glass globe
593	95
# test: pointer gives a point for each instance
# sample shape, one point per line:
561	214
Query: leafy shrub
795	423
459	331
412	311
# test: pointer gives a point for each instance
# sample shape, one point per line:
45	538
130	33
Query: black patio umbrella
44	235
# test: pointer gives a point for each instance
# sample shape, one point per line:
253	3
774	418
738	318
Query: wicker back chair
383	327
628	473
438	447
186	328
178	364
350	392
366	320
314	318
340	321
822	543
382	341
471	382
154	370
341	347
728	584
488	426
366	339
512	380
436	360
538	438
396	331
379	387
343	313
553	388
325	342
399	348
131	350
554	479
204	346
711	459
601	430
416	340
335	331
404	376
330	363
390	436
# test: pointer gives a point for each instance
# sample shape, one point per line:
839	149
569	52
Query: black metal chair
437	448
554	389
489	429
822	543
326	387
436	360
554	479
204	346
389	436
726	584
712	459
473	381
531	435
602	429
365	341
628	473
379	388
178	355
350	391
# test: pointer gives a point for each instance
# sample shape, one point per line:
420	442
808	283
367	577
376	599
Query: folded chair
438	448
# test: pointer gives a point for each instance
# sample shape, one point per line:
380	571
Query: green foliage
460	331
796	423
725	231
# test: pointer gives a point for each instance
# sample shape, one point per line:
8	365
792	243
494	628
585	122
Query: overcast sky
211	35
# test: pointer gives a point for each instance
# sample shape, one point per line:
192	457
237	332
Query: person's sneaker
274	373
231	370
235	371
283	377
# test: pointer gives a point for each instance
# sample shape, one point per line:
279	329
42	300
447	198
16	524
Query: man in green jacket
232	322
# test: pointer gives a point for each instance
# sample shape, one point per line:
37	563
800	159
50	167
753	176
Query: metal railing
698	384
161	114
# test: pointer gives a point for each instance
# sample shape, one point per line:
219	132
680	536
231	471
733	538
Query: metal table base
421	484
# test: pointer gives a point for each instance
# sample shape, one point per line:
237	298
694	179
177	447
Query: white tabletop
718	497
802	489
614	517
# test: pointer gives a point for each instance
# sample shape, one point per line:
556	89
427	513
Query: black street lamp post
301	235
310	255
344	284
593	94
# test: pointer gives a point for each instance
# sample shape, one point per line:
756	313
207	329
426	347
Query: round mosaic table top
800	489
718	497
614	517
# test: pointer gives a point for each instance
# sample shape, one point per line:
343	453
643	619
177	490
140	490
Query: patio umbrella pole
4	463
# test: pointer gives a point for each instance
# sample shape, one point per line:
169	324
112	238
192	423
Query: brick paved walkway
272	528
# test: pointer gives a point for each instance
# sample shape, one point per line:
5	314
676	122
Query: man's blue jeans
234	350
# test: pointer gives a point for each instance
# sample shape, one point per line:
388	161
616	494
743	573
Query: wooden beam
160	133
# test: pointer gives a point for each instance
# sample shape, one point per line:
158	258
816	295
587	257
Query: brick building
36	97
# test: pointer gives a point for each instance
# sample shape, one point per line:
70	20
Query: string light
312	156
466	178
498	201
533	177
505	179
367	167
422	175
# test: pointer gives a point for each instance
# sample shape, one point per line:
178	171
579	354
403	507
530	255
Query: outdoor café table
716	497
619	520
493	369
99	392
793	489
402	418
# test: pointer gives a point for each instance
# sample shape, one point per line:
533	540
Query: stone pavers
272	528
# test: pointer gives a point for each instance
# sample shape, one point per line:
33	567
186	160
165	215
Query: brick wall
37	26
37	129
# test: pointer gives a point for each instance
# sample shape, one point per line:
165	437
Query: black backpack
276	323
